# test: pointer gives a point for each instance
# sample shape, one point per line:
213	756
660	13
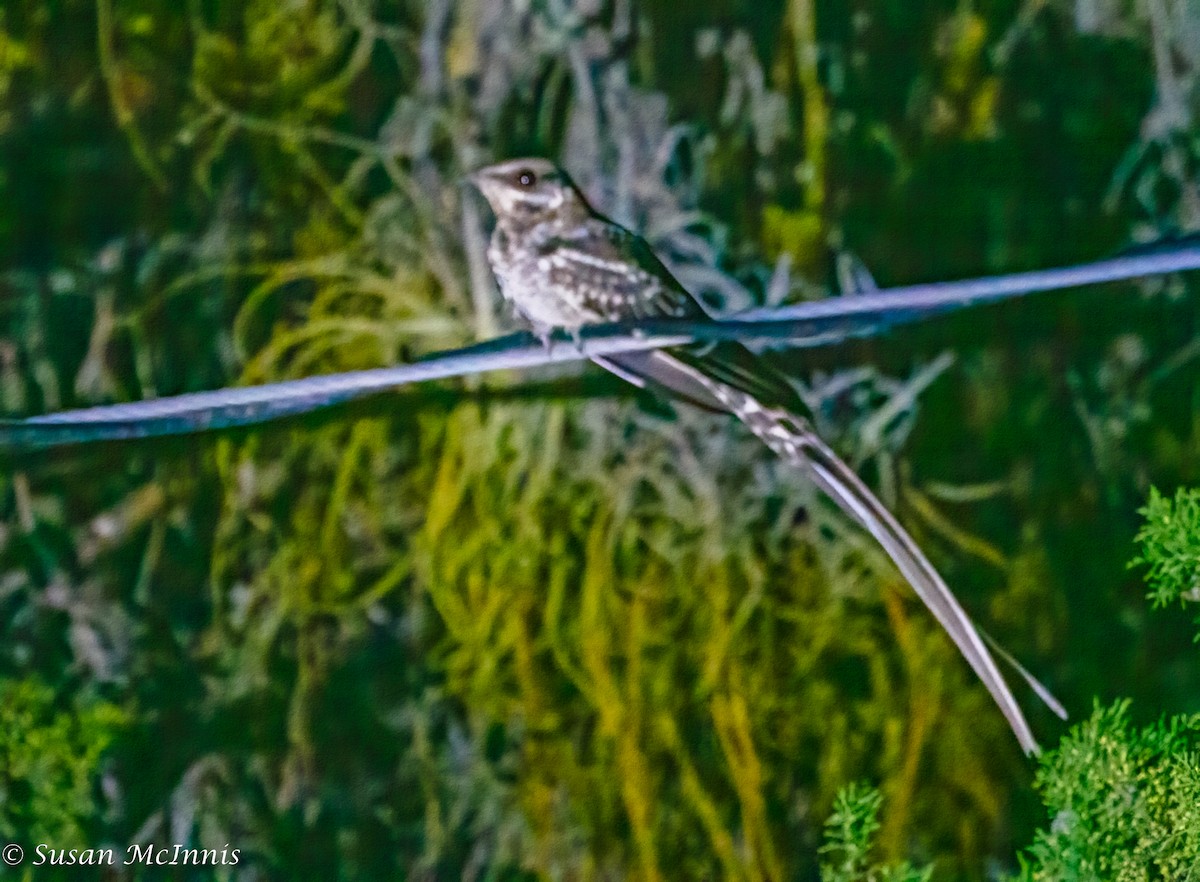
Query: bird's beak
484	184
476	178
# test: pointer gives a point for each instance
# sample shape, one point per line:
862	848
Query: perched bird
563	266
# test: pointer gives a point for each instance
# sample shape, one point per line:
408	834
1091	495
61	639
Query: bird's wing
659	371
603	257
616	273
675	372
731	363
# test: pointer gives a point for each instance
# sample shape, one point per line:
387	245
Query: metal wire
818	323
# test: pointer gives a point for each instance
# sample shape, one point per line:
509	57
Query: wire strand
804	325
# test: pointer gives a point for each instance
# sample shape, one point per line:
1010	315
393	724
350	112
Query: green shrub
1170	540
49	762
1124	801
849	837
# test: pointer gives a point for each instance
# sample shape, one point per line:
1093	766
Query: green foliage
849	836
1170	541
50	762
1124	802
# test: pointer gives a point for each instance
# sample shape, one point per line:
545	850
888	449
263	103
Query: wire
816	323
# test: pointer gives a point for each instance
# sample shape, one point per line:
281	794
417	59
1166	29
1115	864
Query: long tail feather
841	484
1031	681
792	438
798	444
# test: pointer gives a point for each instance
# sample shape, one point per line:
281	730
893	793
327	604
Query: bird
563	266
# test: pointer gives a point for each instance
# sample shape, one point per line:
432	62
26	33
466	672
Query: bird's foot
545	334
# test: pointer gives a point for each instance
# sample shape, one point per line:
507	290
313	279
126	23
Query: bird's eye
526	178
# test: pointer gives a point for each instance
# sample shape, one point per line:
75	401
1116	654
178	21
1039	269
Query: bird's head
527	190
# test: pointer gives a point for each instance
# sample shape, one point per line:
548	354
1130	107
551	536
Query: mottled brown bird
563	266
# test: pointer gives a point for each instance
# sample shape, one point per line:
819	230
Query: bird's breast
534	282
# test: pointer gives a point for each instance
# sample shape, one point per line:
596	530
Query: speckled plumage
562	265
566	270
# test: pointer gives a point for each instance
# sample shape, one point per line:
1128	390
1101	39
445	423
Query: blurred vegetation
545	627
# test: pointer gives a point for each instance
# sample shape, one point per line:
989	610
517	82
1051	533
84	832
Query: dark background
568	632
